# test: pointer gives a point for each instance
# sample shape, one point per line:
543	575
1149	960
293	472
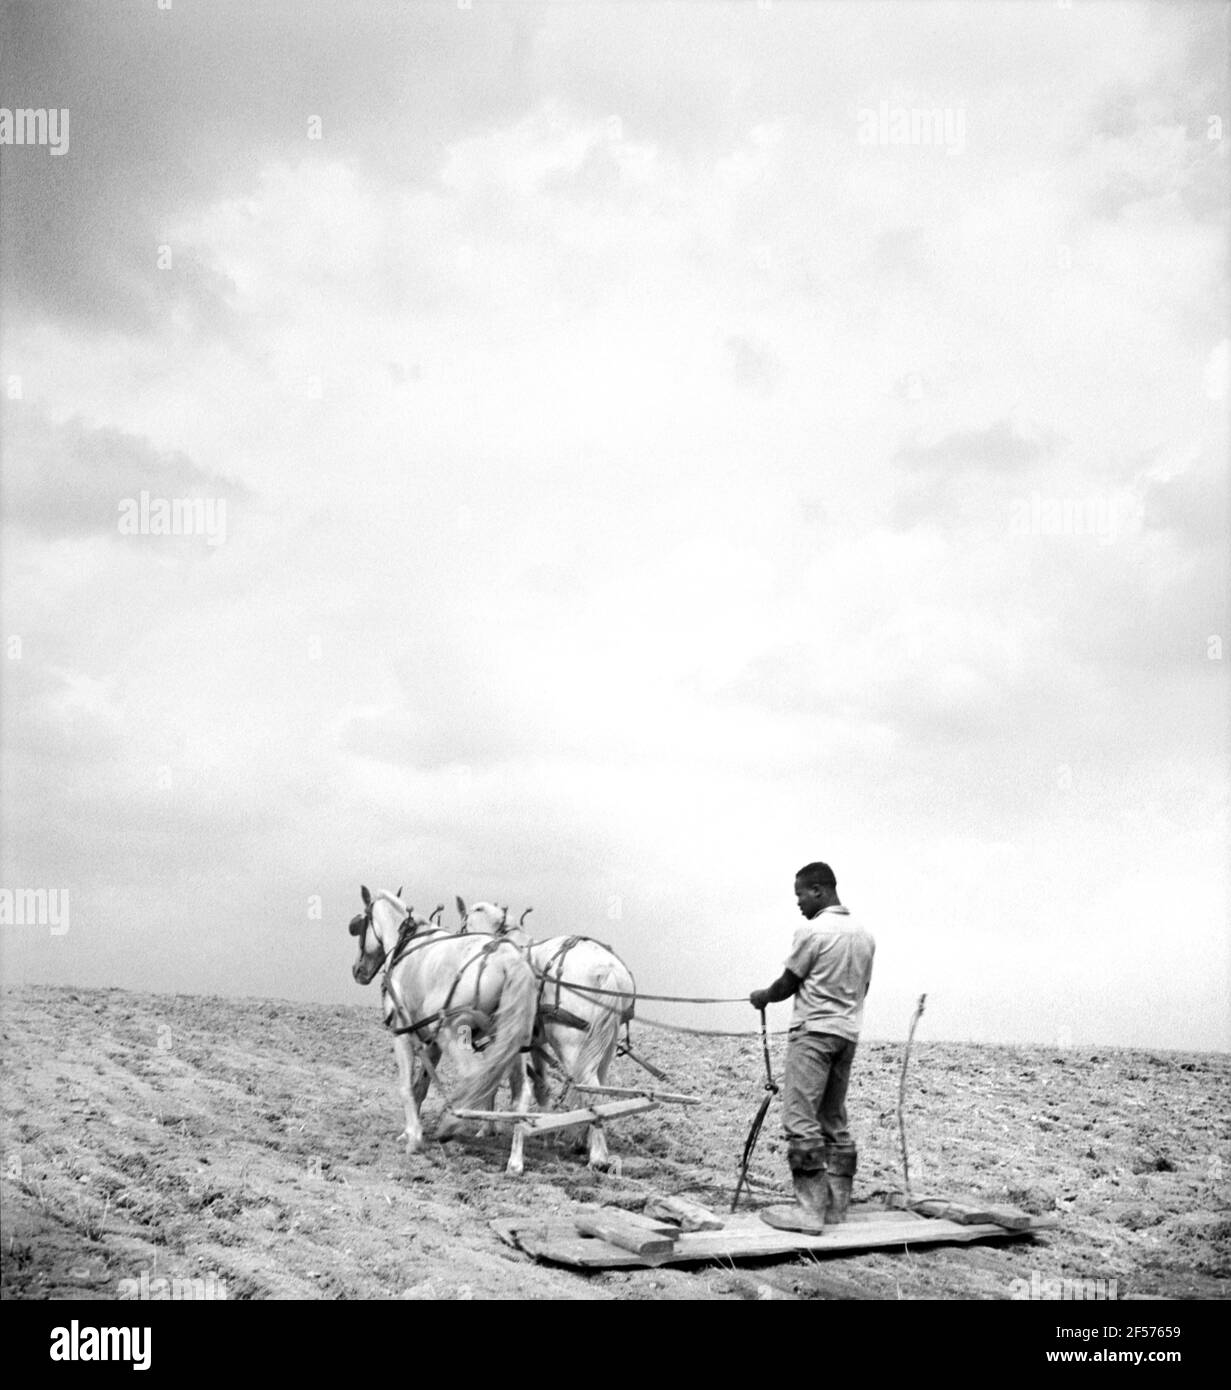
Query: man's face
810	900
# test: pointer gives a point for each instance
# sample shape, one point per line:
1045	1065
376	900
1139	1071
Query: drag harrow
633	1102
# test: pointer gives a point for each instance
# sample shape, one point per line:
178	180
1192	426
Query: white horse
443	994
585	994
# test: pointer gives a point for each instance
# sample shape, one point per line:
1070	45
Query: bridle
408	941
361	922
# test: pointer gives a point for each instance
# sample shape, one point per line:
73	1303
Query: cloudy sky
637	462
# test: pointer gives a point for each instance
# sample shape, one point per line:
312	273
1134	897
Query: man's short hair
816	875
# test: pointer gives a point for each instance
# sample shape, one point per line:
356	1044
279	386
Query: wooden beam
671	1096
626	1051
543	1123
505	1115
745	1237
635	1218
689	1216
971	1212
613	1226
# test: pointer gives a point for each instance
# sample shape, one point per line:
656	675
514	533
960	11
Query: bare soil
254	1142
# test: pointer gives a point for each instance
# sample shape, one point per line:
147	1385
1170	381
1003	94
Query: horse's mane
487	909
413	922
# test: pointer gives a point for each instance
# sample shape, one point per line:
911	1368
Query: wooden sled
611	1238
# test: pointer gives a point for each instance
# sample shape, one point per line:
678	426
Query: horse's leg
487	1127
423	1079
568	1049
599	1157
519	1084
537	1063
413	1133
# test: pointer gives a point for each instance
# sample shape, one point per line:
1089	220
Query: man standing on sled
828	973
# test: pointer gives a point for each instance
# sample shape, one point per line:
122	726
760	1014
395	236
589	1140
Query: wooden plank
744	1237
540	1121
689	1216
649	1091
613	1226
505	1115
641	1062
1011	1218
947	1210
646	1223
609	1111
969	1212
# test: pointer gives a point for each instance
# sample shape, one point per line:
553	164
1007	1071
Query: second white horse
585	995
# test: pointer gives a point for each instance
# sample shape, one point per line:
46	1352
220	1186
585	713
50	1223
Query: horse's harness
554	1011
407	944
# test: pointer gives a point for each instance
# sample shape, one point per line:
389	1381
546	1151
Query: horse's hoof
515	1170
599	1165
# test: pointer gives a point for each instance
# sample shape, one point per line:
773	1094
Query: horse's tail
512	1029
601	1036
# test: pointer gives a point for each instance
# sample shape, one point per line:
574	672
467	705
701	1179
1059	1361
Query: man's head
816	888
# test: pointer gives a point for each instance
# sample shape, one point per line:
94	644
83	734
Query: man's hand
782	988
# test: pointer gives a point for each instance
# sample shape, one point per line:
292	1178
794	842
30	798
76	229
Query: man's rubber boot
840	1175
811	1194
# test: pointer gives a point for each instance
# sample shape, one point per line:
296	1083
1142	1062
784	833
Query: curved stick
902	1094
771	1090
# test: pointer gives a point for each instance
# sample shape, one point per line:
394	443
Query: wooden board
968	1211
744	1236
541	1121
688	1216
609	1110
638	1219
671	1097
629	1231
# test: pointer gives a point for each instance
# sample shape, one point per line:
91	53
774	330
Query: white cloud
568	567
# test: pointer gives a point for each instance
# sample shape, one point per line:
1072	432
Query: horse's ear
365	895
400	887
461	907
